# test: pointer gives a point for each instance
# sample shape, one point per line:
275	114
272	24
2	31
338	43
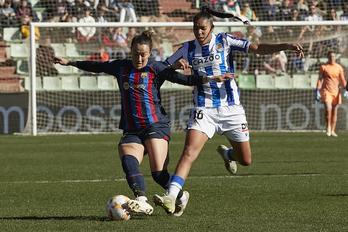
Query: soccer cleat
230	165
328	131
167	202
137	206
179	208
333	134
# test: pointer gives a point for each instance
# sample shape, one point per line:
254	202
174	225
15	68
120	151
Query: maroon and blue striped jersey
140	89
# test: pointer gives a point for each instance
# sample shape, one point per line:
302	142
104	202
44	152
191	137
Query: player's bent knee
189	154
244	162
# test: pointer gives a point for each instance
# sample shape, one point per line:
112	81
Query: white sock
174	189
142	198
182	200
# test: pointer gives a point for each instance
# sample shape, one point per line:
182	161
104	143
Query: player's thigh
134	149
243	151
328	105
335	107
194	143
157	150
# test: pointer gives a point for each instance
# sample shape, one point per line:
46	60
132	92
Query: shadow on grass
83	218
69	218
337	195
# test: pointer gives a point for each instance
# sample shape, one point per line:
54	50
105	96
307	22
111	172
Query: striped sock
176	184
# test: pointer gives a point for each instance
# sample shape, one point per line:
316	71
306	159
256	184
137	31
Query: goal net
277	91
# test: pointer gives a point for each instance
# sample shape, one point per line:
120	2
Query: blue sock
229	153
175	186
163	178
134	178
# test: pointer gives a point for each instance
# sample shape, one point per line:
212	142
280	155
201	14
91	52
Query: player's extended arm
265	48
173	76
90	66
62	61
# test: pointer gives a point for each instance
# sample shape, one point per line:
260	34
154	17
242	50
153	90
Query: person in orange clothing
328	89
100	56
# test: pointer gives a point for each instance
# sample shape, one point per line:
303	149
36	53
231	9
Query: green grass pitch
297	182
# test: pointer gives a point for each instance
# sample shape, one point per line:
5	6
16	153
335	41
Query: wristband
209	78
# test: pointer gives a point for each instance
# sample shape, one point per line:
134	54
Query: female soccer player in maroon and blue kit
144	121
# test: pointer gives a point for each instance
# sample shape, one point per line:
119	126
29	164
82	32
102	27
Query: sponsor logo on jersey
202	62
126	86
140	86
143	75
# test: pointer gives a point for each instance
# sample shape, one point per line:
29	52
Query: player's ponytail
144	38
213	12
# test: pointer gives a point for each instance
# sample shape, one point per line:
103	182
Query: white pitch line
117	180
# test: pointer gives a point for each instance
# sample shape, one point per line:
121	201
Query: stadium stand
246	81
38	83
74	51
70	83
88	83
22	67
301	81
19	51
283	82
106	82
51	83
64	70
264	81
314	79
12	35
59	49
180	11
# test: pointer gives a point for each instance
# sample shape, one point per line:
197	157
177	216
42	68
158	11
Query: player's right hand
223	77
59	60
317	95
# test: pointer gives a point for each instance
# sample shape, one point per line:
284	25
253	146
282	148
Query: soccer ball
117	208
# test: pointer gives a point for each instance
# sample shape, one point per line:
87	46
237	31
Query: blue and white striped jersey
214	58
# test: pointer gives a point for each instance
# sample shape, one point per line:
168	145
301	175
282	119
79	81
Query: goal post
273	101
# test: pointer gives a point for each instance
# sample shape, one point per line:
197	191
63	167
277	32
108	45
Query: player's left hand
181	64
345	94
298	49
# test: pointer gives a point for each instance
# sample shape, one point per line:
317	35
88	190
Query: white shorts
225	120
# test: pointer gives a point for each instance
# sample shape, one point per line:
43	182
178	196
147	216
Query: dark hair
144	38
207	13
204	15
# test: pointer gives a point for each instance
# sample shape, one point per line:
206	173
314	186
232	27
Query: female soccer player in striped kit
328	88
217	106
143	119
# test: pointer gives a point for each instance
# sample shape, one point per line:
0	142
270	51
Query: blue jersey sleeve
180	53
109	67
236	44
